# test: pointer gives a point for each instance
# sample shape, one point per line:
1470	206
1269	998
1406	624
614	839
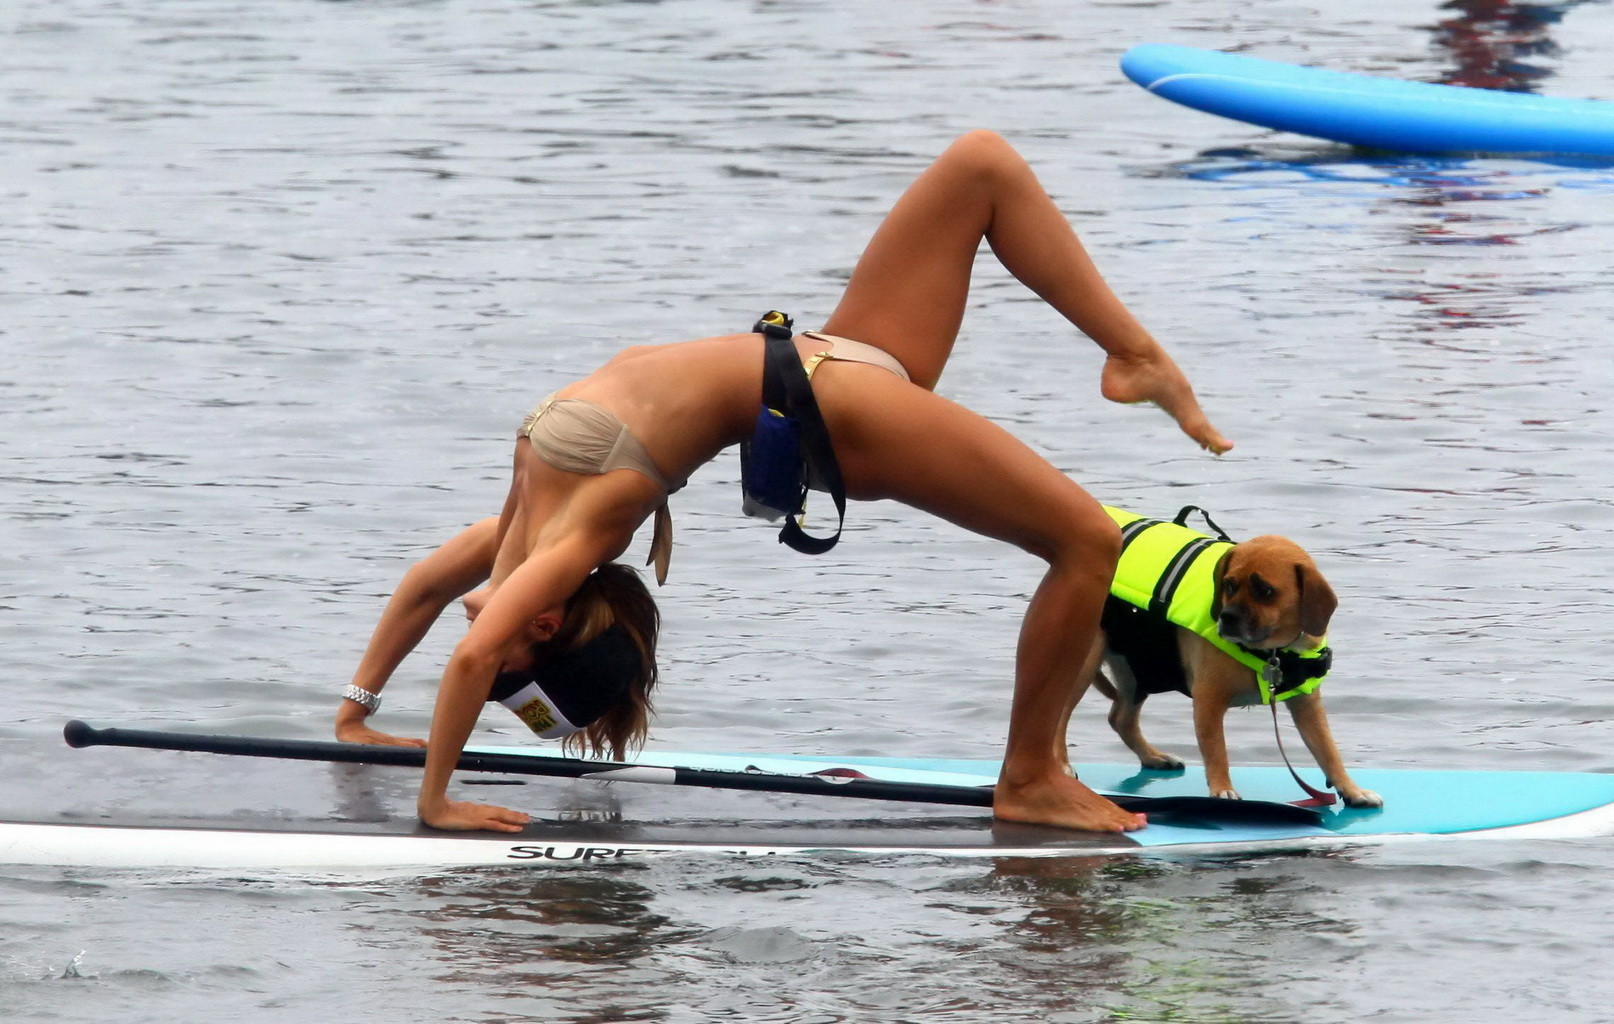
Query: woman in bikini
567	639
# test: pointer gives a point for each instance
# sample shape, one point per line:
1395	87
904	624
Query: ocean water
279	279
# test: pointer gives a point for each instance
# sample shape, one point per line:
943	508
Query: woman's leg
908	291
908	444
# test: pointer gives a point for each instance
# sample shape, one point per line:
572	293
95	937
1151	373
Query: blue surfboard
1378	113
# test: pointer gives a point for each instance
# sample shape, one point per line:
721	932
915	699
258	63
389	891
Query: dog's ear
1216	584
1317	600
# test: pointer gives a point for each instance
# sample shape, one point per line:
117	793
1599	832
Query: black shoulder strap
785	374
774	326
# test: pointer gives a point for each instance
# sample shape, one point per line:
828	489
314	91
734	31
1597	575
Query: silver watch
370	702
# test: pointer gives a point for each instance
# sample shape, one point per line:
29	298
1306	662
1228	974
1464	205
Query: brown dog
1268	596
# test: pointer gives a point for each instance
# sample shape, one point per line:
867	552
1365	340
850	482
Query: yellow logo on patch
540	717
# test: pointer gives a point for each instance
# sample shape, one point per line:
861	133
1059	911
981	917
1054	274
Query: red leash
1319	798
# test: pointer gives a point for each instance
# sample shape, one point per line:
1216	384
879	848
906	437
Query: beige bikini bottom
849	351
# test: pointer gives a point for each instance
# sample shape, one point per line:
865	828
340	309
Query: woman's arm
426	589
542	583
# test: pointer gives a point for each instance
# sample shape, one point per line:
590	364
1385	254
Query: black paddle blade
1204	811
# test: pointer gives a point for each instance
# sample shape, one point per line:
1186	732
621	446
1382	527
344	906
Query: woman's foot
1061	800
1152	376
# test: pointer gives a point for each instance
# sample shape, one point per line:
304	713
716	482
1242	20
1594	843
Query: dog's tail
1104	685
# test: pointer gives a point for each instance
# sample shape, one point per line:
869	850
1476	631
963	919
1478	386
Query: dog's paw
1226	794
1162	763
1361	798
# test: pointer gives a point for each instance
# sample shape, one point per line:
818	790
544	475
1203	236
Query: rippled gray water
280	278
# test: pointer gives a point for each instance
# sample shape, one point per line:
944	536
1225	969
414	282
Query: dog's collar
1286	672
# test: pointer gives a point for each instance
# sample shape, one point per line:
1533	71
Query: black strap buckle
774	324
1322	664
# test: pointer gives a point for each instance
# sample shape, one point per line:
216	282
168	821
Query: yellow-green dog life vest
1167	576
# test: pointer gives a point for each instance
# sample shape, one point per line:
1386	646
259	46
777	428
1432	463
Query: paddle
1203	809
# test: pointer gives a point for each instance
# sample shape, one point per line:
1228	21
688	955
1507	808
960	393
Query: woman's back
684	401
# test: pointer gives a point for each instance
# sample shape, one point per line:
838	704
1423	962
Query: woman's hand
358	732
459	816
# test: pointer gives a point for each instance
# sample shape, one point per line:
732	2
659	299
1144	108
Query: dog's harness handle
1188	510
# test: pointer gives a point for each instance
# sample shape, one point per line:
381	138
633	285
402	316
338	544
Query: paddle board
1378	113
172	814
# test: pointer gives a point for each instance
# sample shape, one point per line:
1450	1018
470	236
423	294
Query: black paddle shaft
1203	809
